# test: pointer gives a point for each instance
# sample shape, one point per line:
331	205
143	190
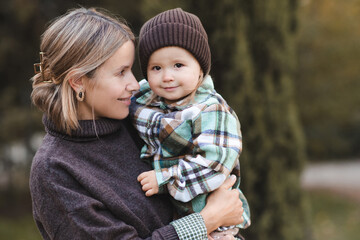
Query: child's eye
121	73
178	65
156	68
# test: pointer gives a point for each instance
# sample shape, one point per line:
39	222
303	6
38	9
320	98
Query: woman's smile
126	101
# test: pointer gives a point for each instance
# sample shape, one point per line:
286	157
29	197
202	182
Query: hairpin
38	67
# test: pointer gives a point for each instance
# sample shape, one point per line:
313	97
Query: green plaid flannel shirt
193	145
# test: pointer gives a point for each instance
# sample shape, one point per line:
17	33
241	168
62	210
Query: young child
192	136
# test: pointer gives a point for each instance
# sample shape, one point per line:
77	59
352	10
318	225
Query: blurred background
289	68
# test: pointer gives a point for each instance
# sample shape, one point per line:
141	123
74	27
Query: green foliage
274	144
328	83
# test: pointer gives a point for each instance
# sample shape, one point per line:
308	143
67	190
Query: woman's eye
178	65
121	73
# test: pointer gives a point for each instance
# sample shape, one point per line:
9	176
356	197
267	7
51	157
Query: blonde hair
74	45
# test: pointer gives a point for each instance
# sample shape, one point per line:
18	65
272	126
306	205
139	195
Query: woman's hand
223	207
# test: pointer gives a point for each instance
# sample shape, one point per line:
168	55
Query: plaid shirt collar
202	94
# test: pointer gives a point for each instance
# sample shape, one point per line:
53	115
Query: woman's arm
223	208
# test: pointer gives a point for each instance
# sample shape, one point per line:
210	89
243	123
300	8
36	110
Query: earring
80	96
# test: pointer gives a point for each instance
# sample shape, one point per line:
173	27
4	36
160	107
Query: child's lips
170	88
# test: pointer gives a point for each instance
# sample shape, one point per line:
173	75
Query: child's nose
168	76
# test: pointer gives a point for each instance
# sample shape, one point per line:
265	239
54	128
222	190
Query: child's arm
217	144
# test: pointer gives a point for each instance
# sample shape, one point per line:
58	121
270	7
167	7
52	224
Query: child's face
173	73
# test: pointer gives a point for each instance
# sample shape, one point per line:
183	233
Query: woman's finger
229	182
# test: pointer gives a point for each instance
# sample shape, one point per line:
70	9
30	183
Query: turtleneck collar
88	130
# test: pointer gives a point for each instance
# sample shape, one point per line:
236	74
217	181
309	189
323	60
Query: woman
83	177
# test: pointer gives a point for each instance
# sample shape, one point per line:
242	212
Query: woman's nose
133	85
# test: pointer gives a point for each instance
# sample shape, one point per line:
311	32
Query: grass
333	218
16	221
23	228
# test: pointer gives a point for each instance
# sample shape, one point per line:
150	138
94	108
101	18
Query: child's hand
149	183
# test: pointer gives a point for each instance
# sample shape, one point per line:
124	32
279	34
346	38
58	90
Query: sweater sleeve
63	209
217	142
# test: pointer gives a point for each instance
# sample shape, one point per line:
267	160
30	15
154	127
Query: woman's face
108	93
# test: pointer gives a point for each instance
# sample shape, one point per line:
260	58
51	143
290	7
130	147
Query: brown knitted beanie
174	27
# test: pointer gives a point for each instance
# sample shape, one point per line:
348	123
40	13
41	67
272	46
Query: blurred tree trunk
253	63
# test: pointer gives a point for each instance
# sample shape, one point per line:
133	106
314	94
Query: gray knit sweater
84	186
